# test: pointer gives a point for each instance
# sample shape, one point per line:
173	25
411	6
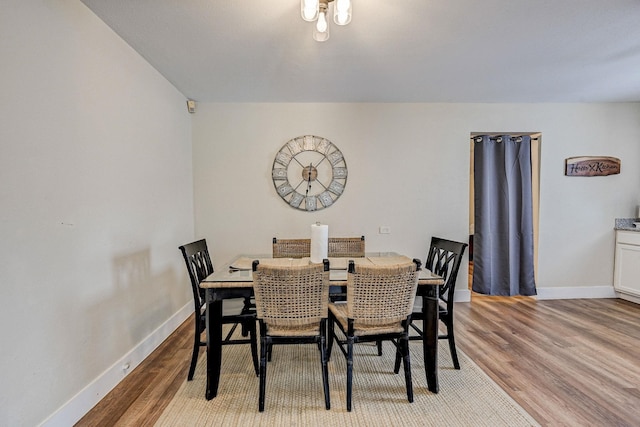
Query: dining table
236	281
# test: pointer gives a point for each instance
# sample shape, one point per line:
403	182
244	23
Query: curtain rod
518	138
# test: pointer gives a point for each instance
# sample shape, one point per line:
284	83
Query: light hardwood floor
567	362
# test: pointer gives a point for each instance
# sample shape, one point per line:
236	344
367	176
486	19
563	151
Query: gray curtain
503	218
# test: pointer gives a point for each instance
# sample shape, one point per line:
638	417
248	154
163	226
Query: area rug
294	397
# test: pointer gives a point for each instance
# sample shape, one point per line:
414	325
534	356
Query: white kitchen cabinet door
627	263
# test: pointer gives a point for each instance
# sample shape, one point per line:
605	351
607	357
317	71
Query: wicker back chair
198	262
378	307
292	308
291	248
344	247
339	247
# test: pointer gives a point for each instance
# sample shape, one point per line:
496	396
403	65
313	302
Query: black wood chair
291	303
199	266
443	259
378	308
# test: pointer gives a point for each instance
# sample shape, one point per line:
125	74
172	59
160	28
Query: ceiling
393	50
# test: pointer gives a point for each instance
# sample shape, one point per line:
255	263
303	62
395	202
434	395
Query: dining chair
338	247
443	259
378	308
292	308
291	248
345	247
199	266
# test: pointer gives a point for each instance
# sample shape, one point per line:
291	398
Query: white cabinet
626	276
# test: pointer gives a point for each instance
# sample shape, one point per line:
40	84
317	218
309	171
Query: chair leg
329	337
404	343
452	345
269	352
396	366
325	372
253	336
379	345
196	348
349	372
263	372
245	310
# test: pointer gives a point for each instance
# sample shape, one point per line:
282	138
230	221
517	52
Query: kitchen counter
626	224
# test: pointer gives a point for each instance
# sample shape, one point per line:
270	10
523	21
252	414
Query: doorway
536	138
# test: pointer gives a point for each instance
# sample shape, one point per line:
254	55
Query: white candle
319	242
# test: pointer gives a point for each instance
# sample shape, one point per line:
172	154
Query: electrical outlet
384	229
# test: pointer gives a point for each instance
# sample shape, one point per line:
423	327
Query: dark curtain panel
503	234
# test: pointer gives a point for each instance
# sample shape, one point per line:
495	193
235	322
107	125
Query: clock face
309	173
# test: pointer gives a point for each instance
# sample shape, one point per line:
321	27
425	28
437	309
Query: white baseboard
625	296
576	292
464	295
87	398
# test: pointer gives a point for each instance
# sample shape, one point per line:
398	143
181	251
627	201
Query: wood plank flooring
567	362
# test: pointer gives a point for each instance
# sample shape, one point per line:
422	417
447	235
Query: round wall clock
309	173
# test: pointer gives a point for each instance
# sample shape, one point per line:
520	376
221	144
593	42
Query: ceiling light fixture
316	10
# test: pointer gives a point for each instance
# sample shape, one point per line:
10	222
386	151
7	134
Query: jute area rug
294	396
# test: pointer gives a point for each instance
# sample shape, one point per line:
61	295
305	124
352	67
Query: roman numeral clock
309	173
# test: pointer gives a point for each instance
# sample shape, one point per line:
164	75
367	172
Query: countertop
626	224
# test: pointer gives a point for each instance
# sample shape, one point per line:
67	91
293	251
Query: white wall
409	169
95	194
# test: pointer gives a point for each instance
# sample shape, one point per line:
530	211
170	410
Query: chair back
291	248
444	259
338	247
199	266
381	296
291	298
344	247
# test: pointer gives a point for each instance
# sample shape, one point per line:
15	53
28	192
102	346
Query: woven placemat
294	397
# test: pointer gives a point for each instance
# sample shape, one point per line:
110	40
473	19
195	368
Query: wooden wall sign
591	166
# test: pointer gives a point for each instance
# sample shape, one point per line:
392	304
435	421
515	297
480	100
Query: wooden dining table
236	281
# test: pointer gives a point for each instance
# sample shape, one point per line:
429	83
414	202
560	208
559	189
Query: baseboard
88	397
627	297
576	292
464	295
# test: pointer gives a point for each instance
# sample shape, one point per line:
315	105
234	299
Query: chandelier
316	10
